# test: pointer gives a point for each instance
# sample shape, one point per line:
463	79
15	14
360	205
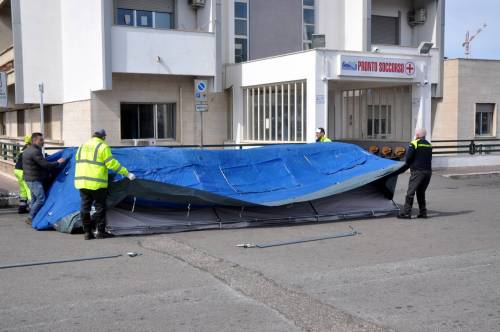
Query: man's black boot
87	233
101	231
406	212
23	207
87	226
422	214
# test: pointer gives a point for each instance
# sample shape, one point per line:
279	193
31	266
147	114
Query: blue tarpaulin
267	177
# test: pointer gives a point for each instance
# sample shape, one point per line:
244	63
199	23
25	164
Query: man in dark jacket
419	161
36	173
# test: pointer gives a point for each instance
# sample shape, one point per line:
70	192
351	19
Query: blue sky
463	15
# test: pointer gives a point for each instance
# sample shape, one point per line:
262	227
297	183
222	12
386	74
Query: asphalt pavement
439	274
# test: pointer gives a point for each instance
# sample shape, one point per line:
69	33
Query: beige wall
445	116
466	82
160	89
56	122
76	128
73	123
479	83
11	124
32	123
5	28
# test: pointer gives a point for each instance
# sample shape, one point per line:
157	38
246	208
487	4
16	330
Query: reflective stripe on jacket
419	143
419	155
93	159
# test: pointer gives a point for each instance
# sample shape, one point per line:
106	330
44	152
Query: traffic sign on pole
200	91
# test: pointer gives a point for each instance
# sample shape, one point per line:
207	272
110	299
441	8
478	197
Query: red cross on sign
410	68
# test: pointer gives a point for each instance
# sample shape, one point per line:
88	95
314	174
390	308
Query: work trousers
37	197
24	191
98	199
419	181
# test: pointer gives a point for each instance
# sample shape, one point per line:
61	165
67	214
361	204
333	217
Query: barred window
275	113
484	119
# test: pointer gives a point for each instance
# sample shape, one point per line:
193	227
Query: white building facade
126	66
129	67
369	80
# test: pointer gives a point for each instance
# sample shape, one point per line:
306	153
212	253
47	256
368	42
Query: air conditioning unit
197	4
318	41
144	142
417	17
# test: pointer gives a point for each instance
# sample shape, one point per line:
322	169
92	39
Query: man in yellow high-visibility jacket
321	136
93	160
24	190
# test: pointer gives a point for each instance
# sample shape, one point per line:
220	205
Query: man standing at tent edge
93	160
419	161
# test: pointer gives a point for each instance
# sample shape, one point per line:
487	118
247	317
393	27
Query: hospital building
365	70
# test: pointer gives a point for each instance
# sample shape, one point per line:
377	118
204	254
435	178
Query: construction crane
469	39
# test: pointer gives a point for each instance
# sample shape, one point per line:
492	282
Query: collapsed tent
186	189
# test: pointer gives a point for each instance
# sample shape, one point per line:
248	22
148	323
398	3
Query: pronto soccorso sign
350	65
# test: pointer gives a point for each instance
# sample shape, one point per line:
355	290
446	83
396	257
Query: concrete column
427	110
422	101
311	110
237	100
317	106
322	104
421	108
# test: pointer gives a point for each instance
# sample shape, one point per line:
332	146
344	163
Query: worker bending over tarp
184	189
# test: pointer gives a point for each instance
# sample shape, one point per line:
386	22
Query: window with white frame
145	121
240	31
379	121
484	119
144	18
308	20
275	113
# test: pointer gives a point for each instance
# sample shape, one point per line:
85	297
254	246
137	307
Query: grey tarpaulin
362	202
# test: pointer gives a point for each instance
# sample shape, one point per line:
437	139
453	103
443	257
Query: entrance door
374	114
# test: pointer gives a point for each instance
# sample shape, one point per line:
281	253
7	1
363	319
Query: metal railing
9	151
478	146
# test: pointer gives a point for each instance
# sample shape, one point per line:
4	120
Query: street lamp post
42	117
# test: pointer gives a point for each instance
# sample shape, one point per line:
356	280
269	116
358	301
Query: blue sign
349	65
201	91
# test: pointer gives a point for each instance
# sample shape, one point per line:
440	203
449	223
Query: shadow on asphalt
438	214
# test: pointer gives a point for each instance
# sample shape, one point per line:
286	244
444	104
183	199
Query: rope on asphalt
11	266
